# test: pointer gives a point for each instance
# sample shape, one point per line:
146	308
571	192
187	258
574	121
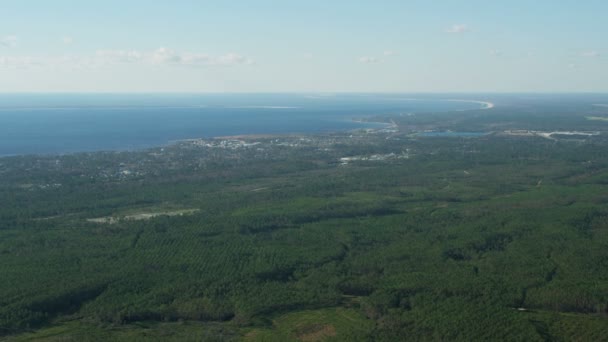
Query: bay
69	123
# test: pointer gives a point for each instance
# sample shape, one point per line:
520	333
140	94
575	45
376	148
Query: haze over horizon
262	46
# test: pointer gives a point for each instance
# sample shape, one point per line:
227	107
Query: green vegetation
315	325
487	238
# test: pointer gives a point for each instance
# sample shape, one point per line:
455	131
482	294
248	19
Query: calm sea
67	123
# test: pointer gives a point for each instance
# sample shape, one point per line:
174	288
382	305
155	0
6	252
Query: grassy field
332	324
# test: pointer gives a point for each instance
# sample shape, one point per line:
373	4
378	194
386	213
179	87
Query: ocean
69	123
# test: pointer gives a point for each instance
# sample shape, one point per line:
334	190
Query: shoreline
385	125
487	104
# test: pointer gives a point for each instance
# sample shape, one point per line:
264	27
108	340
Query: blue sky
303	46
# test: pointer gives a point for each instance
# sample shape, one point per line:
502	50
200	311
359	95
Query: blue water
67	123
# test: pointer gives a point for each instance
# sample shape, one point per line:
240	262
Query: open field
141	216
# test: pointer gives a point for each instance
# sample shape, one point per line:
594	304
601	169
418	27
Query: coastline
487	104
379	126
392	125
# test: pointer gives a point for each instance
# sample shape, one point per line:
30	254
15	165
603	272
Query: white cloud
390	53
28	62
495	52
9	41
164	56
189	59
19	62
457	28
67	40
590	54
73	62
118	56
232	59
369	60
159	57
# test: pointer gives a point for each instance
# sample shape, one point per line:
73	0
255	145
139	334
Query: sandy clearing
141	216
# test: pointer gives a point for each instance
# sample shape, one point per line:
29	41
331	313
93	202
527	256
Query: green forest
358	236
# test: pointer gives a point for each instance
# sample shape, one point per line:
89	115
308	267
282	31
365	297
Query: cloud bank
165	56
590	54
457	28
9	41
369	60
103	58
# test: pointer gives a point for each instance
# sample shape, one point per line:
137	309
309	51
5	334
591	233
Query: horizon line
301	92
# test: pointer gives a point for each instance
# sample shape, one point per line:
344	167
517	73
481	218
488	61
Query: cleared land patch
142	216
